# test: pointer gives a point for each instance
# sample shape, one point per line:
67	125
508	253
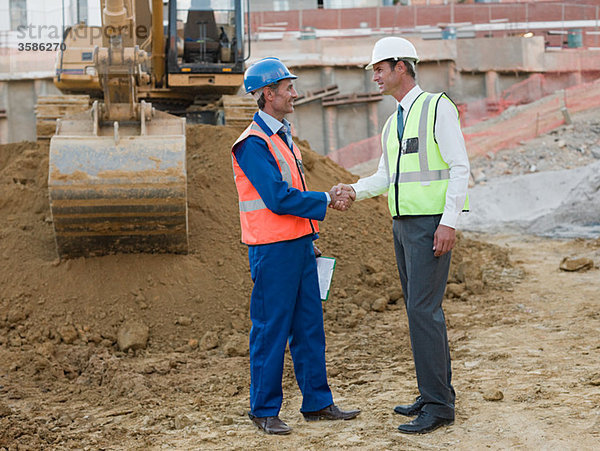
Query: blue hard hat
264	73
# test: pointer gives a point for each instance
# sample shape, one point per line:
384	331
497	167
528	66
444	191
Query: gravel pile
548	186
566	147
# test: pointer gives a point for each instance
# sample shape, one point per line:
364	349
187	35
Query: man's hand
346	196
341	187
444	239
340	199
318	253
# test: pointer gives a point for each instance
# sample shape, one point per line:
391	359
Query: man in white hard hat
425	171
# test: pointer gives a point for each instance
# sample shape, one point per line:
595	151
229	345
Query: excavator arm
117	178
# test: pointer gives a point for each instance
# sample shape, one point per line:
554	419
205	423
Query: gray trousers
423	279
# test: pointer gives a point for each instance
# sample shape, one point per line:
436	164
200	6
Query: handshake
342	196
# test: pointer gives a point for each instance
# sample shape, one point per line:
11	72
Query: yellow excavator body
117	172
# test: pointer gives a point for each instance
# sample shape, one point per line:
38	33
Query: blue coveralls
285	305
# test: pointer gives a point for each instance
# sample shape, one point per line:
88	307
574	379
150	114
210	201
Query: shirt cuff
360	195
328	197
449	219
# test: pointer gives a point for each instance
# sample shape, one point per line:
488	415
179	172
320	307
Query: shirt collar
273	124
410	97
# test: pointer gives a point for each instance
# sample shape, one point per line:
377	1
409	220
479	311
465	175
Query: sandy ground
534	339
536	343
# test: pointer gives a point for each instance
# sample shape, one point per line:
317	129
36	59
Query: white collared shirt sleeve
373	185
454	152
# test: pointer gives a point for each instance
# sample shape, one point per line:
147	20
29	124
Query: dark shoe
412	409
271	425
331	412
424	423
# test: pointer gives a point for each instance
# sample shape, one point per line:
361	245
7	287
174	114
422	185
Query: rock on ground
133	335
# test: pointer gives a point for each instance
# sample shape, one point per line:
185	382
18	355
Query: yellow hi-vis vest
417	172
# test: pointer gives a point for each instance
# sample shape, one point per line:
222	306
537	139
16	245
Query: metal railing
490	19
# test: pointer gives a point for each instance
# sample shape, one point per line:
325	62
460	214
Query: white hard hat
392	47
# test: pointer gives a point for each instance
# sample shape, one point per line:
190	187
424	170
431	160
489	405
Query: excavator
117	171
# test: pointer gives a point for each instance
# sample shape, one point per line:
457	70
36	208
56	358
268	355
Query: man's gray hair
259	94
256	94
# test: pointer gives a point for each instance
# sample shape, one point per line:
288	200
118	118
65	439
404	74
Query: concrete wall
505	81
307	120
329	128
437	77
14	63
469	86
572	60
18	98
504	54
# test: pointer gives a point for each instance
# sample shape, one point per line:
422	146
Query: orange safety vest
259	224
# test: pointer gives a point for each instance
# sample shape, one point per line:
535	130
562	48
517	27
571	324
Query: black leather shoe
331	412
424	423
412	409
271	425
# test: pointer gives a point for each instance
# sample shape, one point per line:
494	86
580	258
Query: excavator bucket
120	186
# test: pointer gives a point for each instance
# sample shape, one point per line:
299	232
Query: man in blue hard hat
278	217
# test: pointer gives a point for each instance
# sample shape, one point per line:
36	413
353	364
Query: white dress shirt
276	126
452	148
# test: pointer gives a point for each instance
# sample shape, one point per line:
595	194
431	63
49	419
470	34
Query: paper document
325	267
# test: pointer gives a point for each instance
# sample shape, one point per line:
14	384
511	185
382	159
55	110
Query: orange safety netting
539	106
531	120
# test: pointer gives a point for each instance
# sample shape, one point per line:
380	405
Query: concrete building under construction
474	52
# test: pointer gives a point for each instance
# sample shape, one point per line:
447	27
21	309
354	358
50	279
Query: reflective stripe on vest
419	187
252	205
424	175
286	172
259	224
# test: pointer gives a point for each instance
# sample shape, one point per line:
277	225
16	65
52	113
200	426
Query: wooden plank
311	96
238	101
352	98
50	108
55	111
239	110
239	122
64	102
63	98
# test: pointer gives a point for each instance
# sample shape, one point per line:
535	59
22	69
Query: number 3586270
41	46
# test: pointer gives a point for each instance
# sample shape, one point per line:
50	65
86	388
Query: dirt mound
60	320
180	298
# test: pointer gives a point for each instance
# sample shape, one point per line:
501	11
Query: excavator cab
212	62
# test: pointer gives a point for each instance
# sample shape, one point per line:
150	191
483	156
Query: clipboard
325	268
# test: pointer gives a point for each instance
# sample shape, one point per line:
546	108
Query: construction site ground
523	333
